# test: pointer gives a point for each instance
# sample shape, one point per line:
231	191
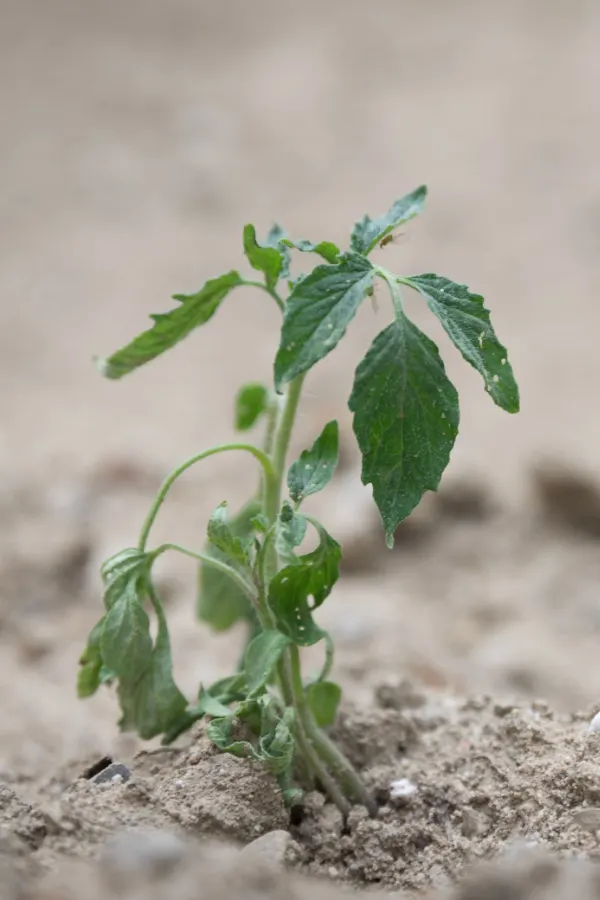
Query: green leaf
315	468
171	327
220	601
467	323
211	706
405	419
151	701
219	732
178	726
317	313
251	402
90	661
326	249
126	644
265	258
368	232
289	533
277	738
222	535
312	575
121	570
220	694
228	689
275	239
324	698
262	656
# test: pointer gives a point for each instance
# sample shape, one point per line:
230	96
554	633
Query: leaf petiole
213	562
248	282
263	459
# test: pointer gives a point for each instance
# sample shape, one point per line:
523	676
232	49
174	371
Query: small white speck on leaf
496	379
480	338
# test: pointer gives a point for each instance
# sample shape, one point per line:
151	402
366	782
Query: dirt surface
138	138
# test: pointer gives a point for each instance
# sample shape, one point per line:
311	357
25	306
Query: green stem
263	459
213	563
306	738
324	761
392	283
281	443
264	287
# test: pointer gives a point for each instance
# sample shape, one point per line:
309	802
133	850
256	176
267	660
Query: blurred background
136	141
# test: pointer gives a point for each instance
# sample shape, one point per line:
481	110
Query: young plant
405	419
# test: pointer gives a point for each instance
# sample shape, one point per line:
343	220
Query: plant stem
324	761
213	563
281	443
270	291
305	738
263	459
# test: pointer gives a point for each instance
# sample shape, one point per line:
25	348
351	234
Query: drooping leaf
151	702
262	656
123	569
325	249
277	738
467	323
171	327
221	694
230	688
126	644
405	419
211	706
313	575
368	232
275	239
221	534
265	258
315	468
324	698
289	533
317	313
219	732
220	601
90	662
251	402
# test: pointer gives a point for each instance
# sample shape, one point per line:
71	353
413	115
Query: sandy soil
137	140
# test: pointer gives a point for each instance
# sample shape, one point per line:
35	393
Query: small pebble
594	724
116	773
269	850
151	853
588	819
402	790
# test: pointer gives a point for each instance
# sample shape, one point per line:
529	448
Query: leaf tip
106	368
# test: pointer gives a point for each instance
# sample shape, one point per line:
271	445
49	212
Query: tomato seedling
406	420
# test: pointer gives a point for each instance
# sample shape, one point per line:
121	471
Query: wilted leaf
220	601
262	656
171	327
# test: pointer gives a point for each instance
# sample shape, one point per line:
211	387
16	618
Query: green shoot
406	418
